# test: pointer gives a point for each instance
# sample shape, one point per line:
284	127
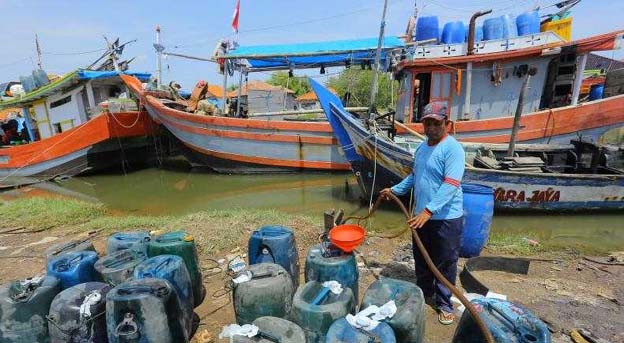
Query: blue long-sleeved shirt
436	179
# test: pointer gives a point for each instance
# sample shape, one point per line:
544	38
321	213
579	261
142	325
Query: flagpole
38	51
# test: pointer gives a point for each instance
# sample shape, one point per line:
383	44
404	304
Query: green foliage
358	82
300	85
43	213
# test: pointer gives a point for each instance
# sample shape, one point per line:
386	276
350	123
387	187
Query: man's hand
385	193
420	220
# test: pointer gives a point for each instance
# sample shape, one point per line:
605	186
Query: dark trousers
441	238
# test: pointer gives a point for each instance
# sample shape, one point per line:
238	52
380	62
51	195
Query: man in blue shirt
438	209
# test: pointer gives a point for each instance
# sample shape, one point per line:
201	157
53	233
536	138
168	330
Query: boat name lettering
511	195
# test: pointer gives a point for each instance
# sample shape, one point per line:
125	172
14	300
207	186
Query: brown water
162	192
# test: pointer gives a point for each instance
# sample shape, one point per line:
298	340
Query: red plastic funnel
347	236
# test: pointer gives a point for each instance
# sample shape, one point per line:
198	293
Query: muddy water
161	192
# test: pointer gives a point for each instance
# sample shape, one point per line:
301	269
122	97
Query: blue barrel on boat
478	212
528	23
509	27
172	269
408	322
40	77
342	332
595	92
506	321
24	305
493	28
144	310
326	262
315	309
454	32
74	268
137	240
427	28
478	33
275	244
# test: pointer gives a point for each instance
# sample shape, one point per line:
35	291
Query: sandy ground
566	293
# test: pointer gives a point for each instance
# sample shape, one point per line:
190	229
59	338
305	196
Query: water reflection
161	192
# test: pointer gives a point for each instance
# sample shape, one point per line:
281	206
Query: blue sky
193	27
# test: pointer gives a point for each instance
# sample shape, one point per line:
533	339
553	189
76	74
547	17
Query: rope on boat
486	332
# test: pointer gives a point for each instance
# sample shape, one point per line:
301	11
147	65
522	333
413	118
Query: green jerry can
315	309
268	293
119	266
408	322
24	306
325	262
144	311
273	329
181	244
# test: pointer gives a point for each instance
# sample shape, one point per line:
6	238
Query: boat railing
484	47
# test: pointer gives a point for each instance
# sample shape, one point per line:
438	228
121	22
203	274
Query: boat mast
373	93
38	52
158	45
516	123
112	53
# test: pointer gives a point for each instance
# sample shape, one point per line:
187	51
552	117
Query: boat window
422	92
57	128
60	102
404	97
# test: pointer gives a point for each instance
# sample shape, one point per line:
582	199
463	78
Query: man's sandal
446	318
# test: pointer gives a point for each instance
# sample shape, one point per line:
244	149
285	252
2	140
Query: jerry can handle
320	297
128	328
268	336
493	308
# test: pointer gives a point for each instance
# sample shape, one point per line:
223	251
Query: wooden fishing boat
67	133
574	177
244	145
482	108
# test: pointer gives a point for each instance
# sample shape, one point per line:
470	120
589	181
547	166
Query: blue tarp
308	55
94	75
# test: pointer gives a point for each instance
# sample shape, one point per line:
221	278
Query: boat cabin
70	101
483	79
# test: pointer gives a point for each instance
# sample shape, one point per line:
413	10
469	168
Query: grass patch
512	245
42	213
215	231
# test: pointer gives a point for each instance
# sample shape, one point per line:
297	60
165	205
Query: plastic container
493	28
528	23
118	267
77	314
28	83
281	329
268	293
507	322
562	27
478	213
325	263
24	305
596	92
181	244
315	320
136	240
275	244
172	269
70	246
144	311
342	332
427	28
509	27
40	77
454	32
408	322
74	268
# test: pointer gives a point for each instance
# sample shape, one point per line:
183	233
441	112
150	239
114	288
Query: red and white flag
235	16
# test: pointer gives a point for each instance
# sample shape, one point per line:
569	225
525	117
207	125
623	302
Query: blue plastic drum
275	244
478	212
528	23
427	28
342	332
74	268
